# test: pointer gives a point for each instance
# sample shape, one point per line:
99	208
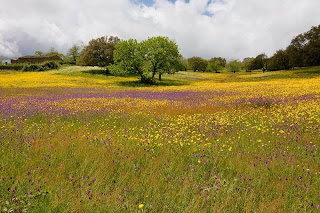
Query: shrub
41	67
32	67
51	65
147	80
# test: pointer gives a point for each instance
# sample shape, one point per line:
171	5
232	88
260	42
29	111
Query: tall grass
203	146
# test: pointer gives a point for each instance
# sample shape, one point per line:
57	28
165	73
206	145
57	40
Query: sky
233	29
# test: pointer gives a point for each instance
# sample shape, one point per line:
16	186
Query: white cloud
236	29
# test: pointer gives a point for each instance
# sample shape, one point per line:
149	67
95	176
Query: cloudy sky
233	29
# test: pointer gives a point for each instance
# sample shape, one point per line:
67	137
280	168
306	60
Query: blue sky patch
207	14
149	3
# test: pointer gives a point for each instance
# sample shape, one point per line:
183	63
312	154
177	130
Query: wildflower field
77	140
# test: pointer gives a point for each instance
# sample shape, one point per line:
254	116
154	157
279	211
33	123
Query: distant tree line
303	51
159	55
148	58
215	65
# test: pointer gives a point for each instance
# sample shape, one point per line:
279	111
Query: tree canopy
259	62
279	61
156	55
162	54
219	61
304	49
234	66
38	53
74	53
216	64
99	52
197	64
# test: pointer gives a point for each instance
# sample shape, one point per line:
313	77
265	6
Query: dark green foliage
246	64
147	80
198	64
304	49
279	61
99	52
31	67
50	65
259	62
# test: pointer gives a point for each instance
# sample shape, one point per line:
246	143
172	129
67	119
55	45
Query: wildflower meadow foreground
78	140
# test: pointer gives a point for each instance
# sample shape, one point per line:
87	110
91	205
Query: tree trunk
159	76
107	71
154	72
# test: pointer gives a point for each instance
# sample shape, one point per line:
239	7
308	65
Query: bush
32	67
147	80
50	65
117	70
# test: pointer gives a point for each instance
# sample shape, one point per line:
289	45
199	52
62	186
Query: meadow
76	140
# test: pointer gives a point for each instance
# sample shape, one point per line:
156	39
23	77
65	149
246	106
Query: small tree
74	53
246	63
219	61
99	52
54	52
198	64
38	53
214	67
216	64
183	64
234	66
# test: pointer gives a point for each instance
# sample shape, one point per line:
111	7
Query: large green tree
216	64
259	62
197	64
295	51
246	63
218	61
129	58
214	67
162	54
304	49
153	56
279	61
311	49
99	52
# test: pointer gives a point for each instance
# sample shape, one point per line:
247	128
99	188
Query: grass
76	139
